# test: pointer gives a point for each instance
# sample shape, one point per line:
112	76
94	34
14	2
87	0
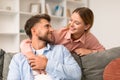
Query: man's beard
46	40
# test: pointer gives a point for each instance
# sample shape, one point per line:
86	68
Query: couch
92	65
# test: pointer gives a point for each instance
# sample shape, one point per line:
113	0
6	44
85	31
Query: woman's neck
76	36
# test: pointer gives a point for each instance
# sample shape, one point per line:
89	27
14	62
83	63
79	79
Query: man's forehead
44	21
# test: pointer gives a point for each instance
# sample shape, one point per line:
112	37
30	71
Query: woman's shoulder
90	35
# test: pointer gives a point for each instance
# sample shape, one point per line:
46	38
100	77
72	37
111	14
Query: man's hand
38	62
82	51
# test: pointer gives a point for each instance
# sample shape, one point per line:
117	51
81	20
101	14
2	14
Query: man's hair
33	20
86	14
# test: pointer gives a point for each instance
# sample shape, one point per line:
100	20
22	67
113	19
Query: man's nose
51	29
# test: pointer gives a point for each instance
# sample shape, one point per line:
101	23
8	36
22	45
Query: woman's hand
82	51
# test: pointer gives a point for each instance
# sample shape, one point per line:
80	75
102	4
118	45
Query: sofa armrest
2	52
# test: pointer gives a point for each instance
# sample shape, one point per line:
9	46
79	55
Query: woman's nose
71	24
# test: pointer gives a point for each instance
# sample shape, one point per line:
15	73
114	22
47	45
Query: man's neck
38	44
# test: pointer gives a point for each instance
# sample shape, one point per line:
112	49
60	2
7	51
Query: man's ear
87	27
33	30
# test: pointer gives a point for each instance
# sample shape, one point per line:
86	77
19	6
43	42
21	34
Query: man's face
43	30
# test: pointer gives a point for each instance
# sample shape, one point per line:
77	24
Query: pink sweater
87	40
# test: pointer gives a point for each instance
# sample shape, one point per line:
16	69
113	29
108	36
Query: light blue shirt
60	66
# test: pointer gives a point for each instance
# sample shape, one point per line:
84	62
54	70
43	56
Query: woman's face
76	24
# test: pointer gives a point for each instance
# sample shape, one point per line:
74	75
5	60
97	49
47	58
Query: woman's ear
87	27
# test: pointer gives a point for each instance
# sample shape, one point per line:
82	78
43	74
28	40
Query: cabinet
14	13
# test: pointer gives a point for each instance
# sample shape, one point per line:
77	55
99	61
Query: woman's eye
77	23
70	20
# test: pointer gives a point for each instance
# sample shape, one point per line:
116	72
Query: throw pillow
93	64
2	52
112	70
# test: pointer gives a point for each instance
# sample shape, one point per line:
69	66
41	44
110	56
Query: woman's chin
71	31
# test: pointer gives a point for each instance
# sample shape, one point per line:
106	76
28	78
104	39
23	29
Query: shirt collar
41	51
81	39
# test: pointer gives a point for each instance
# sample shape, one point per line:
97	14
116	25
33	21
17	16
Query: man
56	62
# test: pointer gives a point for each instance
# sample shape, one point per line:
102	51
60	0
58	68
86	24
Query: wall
107	21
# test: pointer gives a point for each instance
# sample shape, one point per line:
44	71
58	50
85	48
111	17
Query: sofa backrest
93	65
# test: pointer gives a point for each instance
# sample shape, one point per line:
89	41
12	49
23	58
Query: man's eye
47	26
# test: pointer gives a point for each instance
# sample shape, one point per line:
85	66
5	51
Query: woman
77	37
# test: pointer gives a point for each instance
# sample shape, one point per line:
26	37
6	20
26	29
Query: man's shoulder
58	46
18	56
60	50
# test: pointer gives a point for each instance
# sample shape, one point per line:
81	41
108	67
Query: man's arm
14	73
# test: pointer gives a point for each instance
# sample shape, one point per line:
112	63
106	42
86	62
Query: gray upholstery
92	65
2	52
7	59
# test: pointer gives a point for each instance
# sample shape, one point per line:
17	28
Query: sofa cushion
93	64
7	59
2	52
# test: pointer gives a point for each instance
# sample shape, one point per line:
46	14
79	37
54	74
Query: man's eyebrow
47	25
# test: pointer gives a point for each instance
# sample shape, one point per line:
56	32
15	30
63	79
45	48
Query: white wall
107	21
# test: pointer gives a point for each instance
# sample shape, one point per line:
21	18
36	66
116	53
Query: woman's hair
33	20
86	14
